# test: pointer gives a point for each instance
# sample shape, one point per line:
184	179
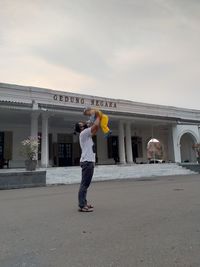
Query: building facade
30	111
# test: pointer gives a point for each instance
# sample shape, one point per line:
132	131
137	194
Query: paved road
136	223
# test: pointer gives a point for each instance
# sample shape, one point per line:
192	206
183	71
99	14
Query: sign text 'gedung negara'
82	101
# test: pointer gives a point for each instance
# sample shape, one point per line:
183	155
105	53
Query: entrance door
136	147
187	152
1	145
113	148
1	149
65	154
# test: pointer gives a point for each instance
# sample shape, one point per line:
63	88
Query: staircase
71	175
191	166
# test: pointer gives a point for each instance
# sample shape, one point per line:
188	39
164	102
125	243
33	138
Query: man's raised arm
95	126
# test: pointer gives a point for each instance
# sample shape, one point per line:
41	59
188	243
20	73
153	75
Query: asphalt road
135	223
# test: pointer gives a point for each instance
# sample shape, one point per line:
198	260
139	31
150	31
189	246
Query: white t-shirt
86	144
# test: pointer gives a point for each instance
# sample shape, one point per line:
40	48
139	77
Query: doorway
1	145
64	154
186	144
136	147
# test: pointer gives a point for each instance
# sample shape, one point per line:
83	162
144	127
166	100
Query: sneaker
85	209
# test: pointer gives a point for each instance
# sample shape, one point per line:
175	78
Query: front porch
59	147
72	175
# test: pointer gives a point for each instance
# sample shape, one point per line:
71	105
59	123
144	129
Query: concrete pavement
149	223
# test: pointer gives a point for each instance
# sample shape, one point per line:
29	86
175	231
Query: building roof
55	100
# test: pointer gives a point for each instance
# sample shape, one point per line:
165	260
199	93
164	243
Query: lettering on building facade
78	100
72	99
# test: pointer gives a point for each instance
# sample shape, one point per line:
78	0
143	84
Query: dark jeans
87	173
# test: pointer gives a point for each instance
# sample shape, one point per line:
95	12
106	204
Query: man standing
87	161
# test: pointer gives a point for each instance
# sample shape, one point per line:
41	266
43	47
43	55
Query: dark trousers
87	173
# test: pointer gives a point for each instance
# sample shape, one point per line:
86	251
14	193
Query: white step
70	175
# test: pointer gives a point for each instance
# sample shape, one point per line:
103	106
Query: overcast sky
140	50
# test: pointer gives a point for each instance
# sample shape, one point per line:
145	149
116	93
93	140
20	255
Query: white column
34	126
199	132
121	144
45	142
129	153
176	144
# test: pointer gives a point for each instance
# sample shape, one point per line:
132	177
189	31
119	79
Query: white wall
178	131
20	132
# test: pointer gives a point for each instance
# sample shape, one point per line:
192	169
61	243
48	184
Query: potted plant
29	151
197	149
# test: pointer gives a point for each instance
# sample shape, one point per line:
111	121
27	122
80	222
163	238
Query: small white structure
30	111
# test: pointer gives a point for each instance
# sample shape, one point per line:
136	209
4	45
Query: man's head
80	126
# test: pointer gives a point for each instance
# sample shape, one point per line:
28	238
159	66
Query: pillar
129	152
45	142
34	126
122	159
176	144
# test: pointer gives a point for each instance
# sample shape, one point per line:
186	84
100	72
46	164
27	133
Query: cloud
141	50
29	70
75	55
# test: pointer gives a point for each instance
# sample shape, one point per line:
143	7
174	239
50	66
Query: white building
30	111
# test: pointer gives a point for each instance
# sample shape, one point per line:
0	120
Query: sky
141	50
